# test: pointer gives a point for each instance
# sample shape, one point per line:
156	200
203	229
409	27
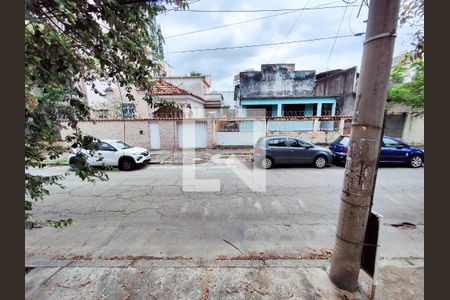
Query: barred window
102	113
128	110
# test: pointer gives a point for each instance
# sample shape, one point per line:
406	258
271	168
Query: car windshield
120	145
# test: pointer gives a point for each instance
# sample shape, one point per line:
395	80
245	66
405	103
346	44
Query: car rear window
342	140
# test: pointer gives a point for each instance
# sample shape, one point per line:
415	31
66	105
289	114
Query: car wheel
415	161
127	164
320	162
266	163
72	163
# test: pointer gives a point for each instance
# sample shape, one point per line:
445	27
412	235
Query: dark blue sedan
392	151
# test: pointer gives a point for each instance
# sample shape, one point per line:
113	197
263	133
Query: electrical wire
337	34
250	20
349	21
257	10
230	24
265	44
289	31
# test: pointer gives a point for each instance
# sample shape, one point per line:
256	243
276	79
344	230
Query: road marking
277	205
301	203
258	207
206	211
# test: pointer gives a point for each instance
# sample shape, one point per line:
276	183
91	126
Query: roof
203	77
332	73
164	88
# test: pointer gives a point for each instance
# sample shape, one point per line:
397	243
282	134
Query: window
294	143
342	140
102	113
105	147
121	145
280	142
128	110
390	143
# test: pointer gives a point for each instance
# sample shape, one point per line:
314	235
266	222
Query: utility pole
364	145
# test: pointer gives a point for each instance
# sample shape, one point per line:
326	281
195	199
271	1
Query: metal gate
155	141
394	125
192	134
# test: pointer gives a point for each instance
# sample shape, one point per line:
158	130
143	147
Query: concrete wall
414	127
277	80
286	126
316	137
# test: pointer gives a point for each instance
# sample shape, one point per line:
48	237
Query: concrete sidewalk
175	156
215	279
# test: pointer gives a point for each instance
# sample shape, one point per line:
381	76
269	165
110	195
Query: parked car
111	152
273	150
393	151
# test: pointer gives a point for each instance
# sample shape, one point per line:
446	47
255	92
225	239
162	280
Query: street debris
233	246
404	225
263	256
126	257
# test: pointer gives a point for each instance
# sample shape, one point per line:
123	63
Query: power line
248	21
260	10
337	33
230	24
266	44
289	31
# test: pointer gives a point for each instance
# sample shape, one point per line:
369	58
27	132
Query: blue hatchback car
392	151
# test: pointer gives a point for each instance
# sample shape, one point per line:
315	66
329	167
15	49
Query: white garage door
192	134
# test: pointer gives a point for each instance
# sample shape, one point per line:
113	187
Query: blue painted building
281	91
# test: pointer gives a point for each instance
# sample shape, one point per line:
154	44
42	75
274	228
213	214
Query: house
191	104
191	93
340	84
282	91
200	86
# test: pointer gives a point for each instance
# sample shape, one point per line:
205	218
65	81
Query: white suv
112	153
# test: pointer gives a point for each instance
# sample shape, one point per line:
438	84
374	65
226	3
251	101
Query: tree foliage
412	14
70	41
407	84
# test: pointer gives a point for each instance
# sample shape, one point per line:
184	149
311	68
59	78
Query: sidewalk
176	156
216	279
201	155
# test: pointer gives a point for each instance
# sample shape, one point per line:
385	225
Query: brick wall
135	133
168	134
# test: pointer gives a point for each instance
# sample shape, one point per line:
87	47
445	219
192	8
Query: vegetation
195	73
412	14
407	76
67	42
407	84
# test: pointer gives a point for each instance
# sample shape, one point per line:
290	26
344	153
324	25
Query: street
146	213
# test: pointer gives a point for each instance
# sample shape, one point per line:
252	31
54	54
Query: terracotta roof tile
164	88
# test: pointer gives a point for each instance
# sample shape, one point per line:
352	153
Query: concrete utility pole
364	145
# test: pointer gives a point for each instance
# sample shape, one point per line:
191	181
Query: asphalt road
146	212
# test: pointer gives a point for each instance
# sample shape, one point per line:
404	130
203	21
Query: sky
222	65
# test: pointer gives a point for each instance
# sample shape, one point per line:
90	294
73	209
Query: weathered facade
340	84
403	124
279	80
282	91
